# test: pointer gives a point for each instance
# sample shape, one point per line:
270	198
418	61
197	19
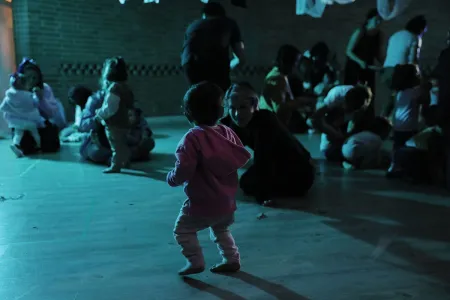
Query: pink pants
185	233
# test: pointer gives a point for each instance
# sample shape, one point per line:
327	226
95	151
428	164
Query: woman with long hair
365	46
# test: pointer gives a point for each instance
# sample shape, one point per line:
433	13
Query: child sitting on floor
20	108
208	157
114	112
422	157
364	150
78	96
282	167
413	96
140	136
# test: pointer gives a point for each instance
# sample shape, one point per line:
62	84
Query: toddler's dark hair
203	103
30	64
417	24
381	126
357	96
78	95
117	69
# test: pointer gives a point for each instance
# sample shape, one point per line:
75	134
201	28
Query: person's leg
221	235
185	233
248	182
50	141
400	139
194	73
117	138
17	138
293	181
334	153
142	151
36	136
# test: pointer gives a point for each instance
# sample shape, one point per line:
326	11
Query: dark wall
70	39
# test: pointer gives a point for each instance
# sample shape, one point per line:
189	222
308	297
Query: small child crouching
20	108
208	157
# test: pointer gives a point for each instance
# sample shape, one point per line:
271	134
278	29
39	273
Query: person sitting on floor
342	113
95	146
277	95
422	159
20	109
282	167
364	150
78	97
140	138
49	108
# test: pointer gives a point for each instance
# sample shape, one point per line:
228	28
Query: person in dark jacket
282	167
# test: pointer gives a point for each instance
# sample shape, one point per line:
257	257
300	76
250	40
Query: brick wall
82	33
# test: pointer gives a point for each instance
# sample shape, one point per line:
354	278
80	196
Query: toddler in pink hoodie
208	157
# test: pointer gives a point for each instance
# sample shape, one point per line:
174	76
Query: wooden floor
69	232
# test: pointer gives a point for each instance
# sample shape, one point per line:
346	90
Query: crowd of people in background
304	91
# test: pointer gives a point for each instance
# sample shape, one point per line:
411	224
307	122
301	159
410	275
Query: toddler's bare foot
17	151
224	267
189	269
348	166
111	170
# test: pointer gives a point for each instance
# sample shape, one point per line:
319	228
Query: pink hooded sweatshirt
207	162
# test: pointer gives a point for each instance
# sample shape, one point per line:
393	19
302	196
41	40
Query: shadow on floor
387	223
276	290
210	289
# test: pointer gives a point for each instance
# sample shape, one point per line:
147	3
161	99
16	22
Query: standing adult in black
442	74
206	48
365	46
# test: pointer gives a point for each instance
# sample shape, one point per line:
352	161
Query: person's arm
46	101
237	45
87	122
110	106
413	52
146	131
186	155
354	39
318	119
390	105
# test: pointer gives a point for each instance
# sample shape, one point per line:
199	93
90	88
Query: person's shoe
224	267
17	151
189	269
